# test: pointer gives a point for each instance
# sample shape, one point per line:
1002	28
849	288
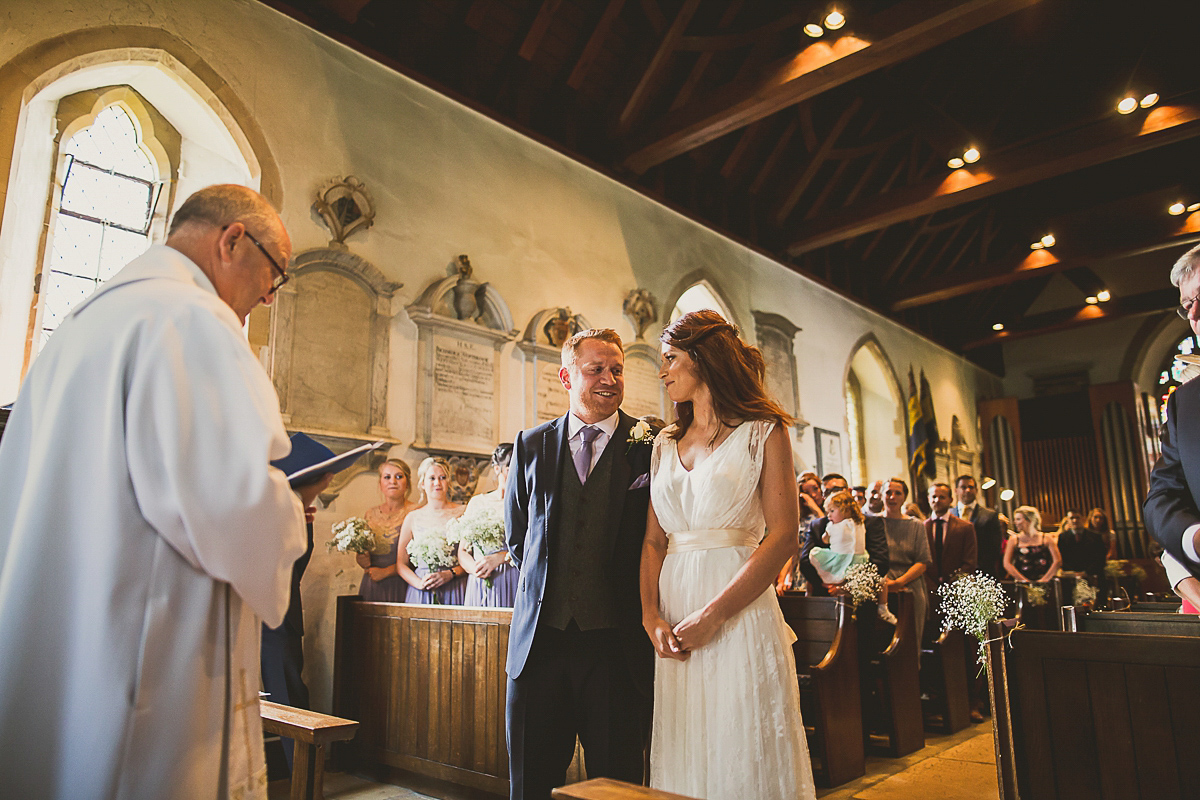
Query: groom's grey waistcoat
577	584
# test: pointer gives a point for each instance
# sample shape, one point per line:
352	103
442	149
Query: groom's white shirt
574	441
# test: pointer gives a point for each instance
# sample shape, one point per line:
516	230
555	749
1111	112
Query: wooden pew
827	668
1045	617
608	789
1086	715
311	732
1147	623
889	676
1157	606
944	668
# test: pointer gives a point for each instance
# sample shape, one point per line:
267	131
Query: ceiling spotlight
1127	105
1175	209
987	483
1103	295
971	155
1091	300
1048	240
1193	207
1007	494
835	20
955	163
999	326
1149	100
814	30
1036	246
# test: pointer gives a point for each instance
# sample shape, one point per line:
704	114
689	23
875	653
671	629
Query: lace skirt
727	721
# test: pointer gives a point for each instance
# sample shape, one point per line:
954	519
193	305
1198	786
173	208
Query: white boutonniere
640	434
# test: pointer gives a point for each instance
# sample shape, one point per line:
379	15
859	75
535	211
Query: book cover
310	460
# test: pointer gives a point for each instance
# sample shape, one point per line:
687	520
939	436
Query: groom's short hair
570	348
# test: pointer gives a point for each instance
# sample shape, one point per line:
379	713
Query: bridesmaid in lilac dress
380	582
445	583
494	566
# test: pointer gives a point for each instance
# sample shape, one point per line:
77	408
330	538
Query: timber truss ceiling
832	154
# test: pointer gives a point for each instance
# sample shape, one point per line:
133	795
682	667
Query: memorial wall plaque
778	358
550	397
464	394
643	389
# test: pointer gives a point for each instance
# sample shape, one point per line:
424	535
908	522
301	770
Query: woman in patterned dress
380	582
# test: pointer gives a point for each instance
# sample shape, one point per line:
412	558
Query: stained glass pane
76	249
63	294
107	196
120	247
111	141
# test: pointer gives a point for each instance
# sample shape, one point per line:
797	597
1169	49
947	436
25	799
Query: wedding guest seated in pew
381	583
1030	556
491	576
1083	551
426	562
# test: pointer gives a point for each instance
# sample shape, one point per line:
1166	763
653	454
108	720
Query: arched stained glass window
109	189
1173	373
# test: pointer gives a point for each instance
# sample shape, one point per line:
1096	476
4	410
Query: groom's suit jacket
533	511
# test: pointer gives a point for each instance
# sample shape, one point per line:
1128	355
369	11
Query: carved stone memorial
644	393
541	350
776	335
462	326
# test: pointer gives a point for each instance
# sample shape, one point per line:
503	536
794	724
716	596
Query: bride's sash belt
687	541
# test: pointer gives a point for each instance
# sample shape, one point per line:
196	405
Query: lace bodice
721	492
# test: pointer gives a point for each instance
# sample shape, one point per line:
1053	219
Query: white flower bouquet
862	583
432	551
481	531
1036	594
352	535
1085	594
970	603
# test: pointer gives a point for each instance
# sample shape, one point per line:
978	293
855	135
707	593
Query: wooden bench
1044	617
608	789
944	668
311	732
827	669
1157	606
1146	623
890	678
1087	715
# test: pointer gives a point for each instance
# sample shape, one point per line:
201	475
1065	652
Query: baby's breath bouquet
352	536
433	551
862	583
971	602
1085	594
481	531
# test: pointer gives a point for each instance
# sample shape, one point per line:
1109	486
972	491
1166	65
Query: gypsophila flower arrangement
433	551
971	602
352	535
1085	594
481	531
862	583
1035	594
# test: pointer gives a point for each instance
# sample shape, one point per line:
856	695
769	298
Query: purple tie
583	458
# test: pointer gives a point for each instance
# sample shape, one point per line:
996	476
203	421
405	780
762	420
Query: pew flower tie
1035	594
971	602
481	531
862	583
352	536
1085	594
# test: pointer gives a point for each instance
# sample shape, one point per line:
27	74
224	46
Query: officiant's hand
696	630
663	639
484	567
309	493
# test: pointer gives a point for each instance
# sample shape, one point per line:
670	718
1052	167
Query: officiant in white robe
143	534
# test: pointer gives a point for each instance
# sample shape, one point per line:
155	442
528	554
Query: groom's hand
663	639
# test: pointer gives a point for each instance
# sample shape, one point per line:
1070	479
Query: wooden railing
427	685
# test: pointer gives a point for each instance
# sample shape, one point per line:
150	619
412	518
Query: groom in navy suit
579	662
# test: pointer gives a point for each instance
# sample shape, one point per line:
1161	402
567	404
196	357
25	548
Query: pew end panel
827	667
890	677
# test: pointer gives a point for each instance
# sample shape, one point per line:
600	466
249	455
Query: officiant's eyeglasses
1185	308
282	277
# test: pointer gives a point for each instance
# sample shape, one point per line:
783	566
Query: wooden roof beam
595	43
653	76
1108	139
899	33
1067	318
1143	237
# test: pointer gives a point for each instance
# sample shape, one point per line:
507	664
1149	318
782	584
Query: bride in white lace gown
726	702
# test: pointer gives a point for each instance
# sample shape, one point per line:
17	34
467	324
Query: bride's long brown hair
732	370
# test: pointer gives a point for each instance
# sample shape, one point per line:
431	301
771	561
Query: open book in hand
310	460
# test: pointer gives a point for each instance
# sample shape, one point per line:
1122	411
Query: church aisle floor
956	767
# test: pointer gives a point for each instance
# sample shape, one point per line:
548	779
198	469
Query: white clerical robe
142	536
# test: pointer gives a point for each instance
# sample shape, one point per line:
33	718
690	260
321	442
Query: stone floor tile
945	779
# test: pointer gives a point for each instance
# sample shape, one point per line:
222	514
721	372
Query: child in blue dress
846	535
